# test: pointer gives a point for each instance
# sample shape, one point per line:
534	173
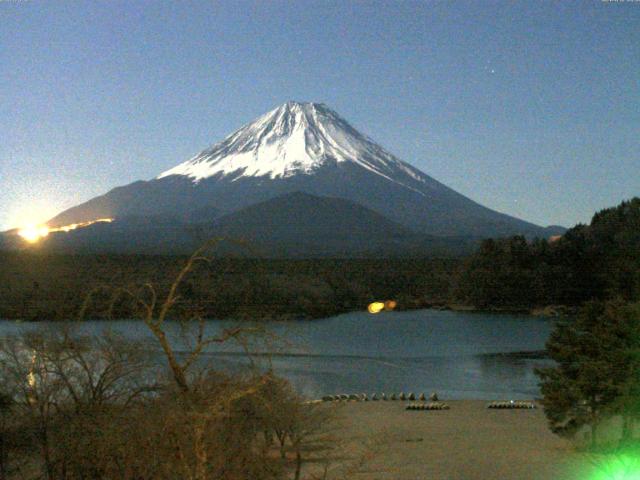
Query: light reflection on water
457	354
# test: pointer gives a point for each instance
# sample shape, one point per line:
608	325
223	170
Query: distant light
390	305
31	377
387	306
35	233
375	307
31	380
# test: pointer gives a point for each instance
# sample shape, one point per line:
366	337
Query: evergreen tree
597	371
627	404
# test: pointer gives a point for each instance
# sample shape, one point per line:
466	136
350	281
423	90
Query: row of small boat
433	403
427	406
512	404
363	397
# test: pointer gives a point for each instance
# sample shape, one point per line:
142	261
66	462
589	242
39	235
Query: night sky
530	108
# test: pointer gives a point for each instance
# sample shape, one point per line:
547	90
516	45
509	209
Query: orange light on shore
390	305
387	306
35	233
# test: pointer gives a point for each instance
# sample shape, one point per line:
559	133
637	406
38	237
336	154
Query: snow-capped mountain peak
295	138
299	147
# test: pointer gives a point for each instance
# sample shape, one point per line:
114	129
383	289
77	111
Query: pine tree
597	371
627	404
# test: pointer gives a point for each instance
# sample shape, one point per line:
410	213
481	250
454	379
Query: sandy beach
467	442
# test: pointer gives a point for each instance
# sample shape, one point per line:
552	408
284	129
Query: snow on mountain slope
300	147
295	138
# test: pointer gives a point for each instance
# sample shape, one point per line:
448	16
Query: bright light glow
621	466
375	307
35	233
31	379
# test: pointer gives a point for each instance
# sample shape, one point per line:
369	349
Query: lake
457	354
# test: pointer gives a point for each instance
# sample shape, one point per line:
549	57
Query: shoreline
539	311
550	311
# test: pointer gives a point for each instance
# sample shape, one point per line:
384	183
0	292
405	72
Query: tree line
53	287
589	262
596	261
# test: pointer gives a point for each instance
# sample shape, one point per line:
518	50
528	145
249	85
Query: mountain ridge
309	148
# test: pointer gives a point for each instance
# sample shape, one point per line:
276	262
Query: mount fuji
307	148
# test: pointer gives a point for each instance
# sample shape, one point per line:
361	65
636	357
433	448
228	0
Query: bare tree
61	382
200	415
155	314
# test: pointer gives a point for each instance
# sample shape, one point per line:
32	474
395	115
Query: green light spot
617	467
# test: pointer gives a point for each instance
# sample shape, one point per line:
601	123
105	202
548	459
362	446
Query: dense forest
36	287
597	261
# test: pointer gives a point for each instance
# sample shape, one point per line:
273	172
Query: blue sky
530	108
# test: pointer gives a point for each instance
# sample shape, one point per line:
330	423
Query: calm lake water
458	354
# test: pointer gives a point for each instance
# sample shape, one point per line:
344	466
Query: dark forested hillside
294	225
596	261
50	287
